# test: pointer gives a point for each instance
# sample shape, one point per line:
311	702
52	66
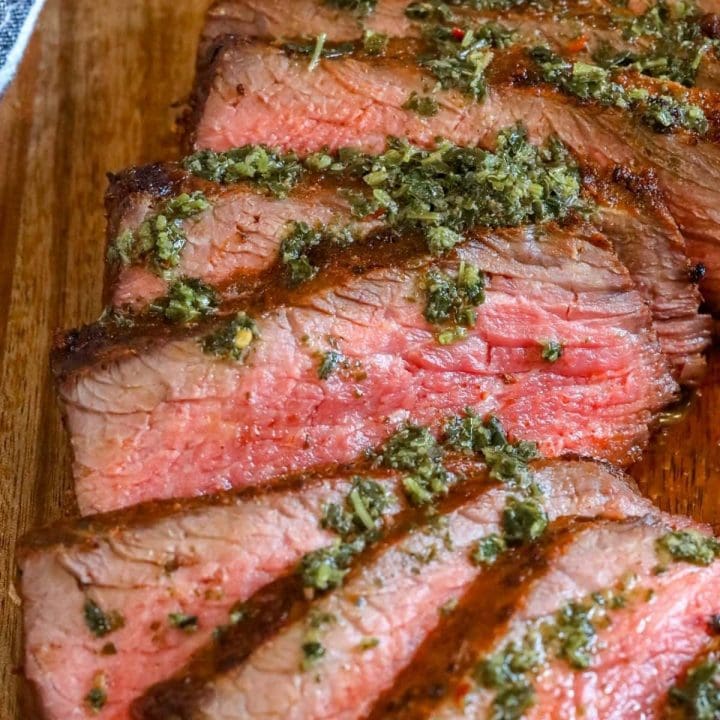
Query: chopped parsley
358	522
421	104
444	192
489	549
184	622
414	450
329	363
312	648
234	339
523	521
453	300
160	238
688	546
312	651
570	634
674	43
326	568
661	113
362	511
99	622
317	51
187	300
299	240
507	462
552	350
433	10
573	635
699	694
96	699
368	643
318	48
458	57
268	168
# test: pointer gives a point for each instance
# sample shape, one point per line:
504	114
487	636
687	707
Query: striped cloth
17	19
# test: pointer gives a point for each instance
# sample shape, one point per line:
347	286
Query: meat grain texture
402	596
171	420
359	103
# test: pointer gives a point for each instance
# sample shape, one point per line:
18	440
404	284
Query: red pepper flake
380	212
462	690
578	44
458	33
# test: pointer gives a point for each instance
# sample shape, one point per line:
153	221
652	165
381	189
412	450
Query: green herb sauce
329	363
552	351
234	340
453	300
99	622
699	695
299	240
267	168
362	511
319	48
445	192
160	238
457	57
414	450
188	300
96	699
488	549
326	568
423	105
674	43
507	462
570	634
688	546
184	622
523	521
312	649
661	113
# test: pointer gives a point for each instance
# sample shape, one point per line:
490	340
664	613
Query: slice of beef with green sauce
335	655
696	695
253	195
599	624
322	372
118	602
606	118
675	41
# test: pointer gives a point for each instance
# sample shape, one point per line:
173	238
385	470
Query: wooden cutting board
96	92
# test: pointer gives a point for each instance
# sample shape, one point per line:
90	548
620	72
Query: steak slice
191	559
236	241
331	370
231	243
359	101
370	628
583	30
617	634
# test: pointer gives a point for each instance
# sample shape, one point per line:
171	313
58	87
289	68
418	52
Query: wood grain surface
97	91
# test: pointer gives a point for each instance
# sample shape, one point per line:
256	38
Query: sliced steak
578	29
561	350
232	244
100	595
255	92
616	634
229	244
371	627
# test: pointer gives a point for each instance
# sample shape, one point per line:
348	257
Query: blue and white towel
17	19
